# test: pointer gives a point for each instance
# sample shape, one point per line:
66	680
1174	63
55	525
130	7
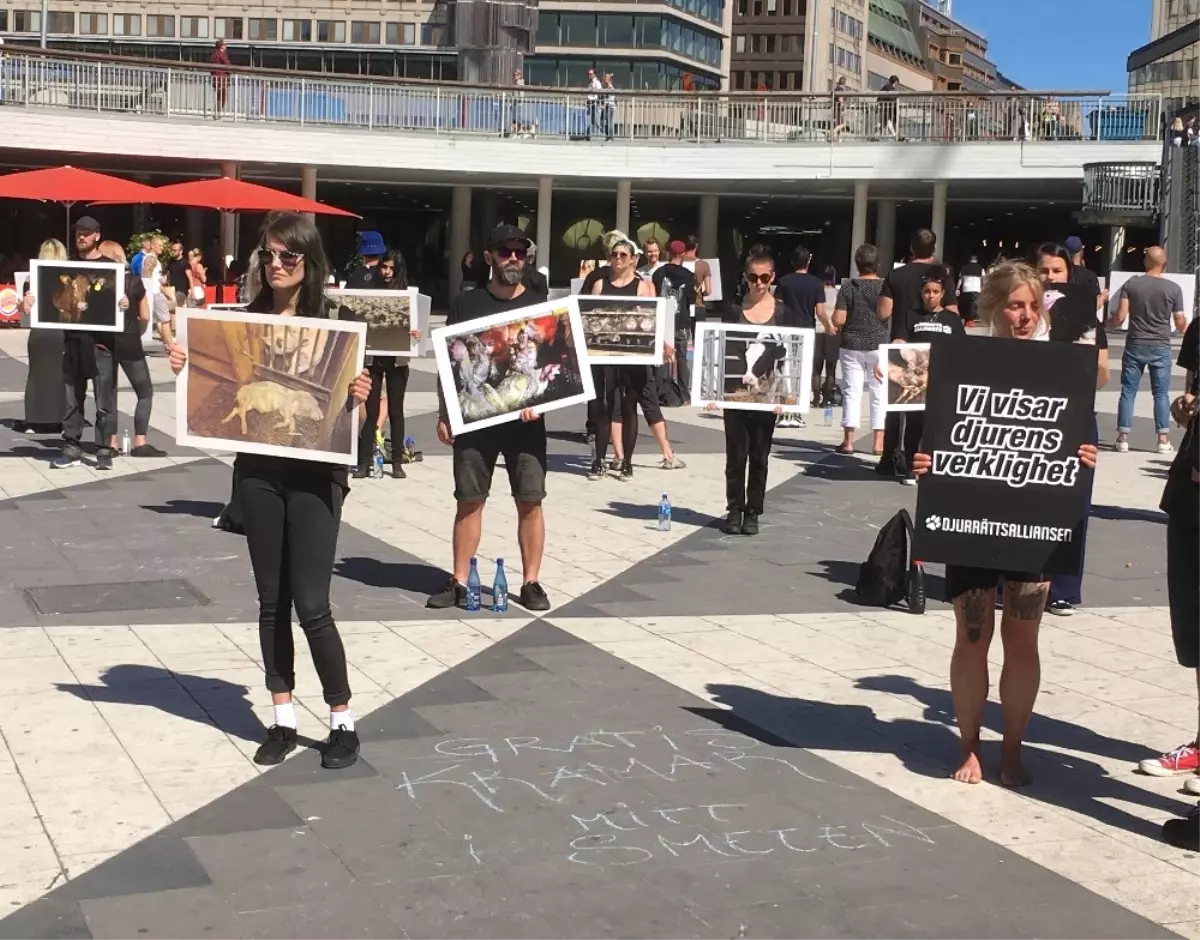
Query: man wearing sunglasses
523	443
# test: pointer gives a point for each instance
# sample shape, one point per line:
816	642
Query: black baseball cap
506	233
87	224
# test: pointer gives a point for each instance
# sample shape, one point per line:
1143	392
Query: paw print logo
933	523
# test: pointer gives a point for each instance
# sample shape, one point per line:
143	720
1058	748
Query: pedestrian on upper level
220	76
887	106
1149	304
593	102
610	105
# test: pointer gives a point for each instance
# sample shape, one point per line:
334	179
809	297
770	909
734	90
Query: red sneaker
1185	759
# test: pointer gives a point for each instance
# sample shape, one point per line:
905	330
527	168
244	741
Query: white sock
342	719
285	715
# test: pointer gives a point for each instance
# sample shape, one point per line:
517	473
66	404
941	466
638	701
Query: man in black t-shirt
371	249
177	273
675	282
803	297
970	283
522	443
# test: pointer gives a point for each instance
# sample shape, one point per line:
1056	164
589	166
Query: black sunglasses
288	259
758	278
504	253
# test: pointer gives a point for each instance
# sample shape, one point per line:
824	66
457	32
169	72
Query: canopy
69	184
230	195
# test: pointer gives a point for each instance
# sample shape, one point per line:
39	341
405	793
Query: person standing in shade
534	279
803	297
652	257
970	281
899	302
1149	304
292	511
673	281
389	274
748	434
862	333
45	399
825	392
703	272
177	273
523	443
371	249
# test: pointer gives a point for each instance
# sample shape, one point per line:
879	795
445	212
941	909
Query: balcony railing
1121	188
73	81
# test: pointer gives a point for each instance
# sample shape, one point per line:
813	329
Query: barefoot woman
1012	301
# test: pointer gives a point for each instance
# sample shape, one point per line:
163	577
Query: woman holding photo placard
1012	301
292	511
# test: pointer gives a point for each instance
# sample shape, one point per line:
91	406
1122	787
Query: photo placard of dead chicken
907	375
274	385
517	365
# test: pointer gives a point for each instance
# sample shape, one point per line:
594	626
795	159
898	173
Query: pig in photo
258	383
77	295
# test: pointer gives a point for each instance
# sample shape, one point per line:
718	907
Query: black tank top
629	290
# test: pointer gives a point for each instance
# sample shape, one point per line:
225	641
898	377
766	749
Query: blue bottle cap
499	561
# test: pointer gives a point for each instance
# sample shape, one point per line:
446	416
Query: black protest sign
1004	420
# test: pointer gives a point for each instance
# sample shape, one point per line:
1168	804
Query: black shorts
960	579
523	446
1183	560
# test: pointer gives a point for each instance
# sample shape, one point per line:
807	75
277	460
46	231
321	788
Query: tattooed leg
1024	603
974	613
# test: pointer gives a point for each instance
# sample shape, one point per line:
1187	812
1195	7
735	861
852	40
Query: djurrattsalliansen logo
933	523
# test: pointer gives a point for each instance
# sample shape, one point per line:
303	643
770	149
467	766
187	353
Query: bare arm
1122	314
1101	368
884	308
1181	321
144	310
646	289
823	318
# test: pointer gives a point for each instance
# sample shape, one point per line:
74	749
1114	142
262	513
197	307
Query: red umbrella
69	185
230	195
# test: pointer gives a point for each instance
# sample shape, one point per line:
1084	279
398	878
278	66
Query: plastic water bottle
126	445
377	463
829	415
474	593
500	589
664	514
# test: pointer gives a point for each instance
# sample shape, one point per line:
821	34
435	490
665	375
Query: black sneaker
1061	608
597	470
280	743
398	471
360	473
70	457
453	594
732	524
104	460
341	750
1184	833
533	596
750	524
147	450
627	470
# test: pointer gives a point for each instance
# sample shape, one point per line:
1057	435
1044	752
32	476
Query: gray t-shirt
1153	301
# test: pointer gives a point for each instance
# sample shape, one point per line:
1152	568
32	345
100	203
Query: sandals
844	451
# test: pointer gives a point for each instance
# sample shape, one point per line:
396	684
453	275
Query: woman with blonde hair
45	394
1011	300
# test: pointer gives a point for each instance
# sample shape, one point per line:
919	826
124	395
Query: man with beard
523	443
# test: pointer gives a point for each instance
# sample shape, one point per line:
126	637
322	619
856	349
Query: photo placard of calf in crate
259	383
77	295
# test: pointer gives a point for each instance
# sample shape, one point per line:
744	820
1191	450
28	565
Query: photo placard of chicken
70	297
272	398
910	374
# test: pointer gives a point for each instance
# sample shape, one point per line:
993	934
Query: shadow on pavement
201	509
416	579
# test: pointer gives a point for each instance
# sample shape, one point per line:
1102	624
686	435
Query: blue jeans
1133	364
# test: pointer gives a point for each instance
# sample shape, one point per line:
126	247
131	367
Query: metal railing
1121	188
47	79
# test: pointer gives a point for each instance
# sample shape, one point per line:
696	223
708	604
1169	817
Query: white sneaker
1192	784
1121	447
1164	447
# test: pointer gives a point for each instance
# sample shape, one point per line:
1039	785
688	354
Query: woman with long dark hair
292	510
1011	300
390	274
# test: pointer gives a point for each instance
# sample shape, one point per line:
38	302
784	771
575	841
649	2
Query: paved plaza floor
706	737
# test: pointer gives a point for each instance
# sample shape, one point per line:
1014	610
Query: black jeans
892	458
825	358
748	436
914	427
138	373
291	531
104	386
1069	587
1183	559
616	397
396	375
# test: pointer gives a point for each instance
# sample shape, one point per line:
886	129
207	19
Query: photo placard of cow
391	317
753	368
259	383
77	295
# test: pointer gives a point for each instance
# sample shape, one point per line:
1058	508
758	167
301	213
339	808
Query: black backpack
888	576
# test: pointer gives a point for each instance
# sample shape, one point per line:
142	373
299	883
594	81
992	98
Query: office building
798	45
1169	64
955	55
893	49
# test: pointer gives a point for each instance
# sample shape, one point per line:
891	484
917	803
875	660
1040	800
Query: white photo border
748	330
119	288
184	439
440	336
654	358
415	317
884	349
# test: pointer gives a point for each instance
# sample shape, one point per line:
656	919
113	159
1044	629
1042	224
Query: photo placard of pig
272	398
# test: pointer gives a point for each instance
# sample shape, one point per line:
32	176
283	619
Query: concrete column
1116	247
544	208
858	228
709	235
624	193
938	224
460	234
229	225
885	233
308	184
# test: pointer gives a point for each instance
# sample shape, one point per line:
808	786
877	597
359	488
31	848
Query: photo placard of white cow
753	368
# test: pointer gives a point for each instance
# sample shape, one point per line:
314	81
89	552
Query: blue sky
1063	44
